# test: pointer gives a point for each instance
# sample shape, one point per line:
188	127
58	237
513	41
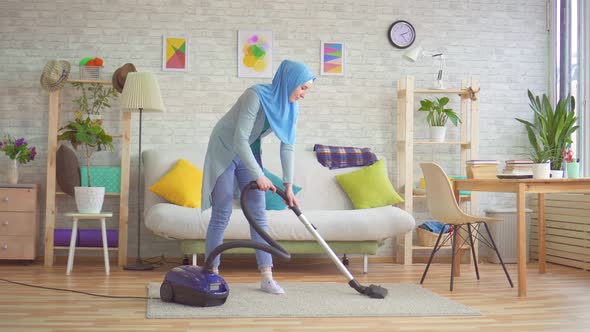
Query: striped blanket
342	156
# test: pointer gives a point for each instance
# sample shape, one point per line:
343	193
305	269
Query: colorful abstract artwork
175	53
254	53
332	59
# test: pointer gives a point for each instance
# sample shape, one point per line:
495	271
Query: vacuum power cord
79	292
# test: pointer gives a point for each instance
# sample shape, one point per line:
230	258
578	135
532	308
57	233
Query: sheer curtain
569	31
584	86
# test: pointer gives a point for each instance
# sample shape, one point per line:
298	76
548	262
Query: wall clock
402	34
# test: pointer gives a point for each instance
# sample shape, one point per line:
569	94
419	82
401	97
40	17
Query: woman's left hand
291	200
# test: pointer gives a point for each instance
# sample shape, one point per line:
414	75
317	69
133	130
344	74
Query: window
570	70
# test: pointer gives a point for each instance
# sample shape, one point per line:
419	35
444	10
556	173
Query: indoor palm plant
87	135
551	129
437	116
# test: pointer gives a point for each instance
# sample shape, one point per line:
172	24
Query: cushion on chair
181	185
369	187
67	170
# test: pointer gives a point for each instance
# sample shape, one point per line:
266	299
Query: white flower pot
89	199
556	174
541	171
437	134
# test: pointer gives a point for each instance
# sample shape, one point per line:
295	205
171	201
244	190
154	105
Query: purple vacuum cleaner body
194	286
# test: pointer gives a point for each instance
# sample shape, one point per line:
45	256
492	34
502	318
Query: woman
234	153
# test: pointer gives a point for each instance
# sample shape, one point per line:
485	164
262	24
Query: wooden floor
557	301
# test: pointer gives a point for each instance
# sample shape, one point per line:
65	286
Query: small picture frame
175	53
255	53
332	58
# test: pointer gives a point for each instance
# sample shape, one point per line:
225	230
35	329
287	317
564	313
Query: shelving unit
50	206
468	143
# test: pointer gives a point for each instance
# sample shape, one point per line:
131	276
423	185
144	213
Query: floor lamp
141	93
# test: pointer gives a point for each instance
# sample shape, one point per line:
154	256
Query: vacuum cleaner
201	287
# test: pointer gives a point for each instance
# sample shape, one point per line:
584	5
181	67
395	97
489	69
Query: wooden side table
85	216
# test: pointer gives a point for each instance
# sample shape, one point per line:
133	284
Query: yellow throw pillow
181	185
369	187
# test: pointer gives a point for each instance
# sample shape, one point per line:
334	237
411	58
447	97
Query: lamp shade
413	54
141	91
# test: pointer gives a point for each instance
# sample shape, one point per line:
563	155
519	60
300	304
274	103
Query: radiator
504	234
567	229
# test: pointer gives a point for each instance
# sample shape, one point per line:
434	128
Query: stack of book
482	169
518	167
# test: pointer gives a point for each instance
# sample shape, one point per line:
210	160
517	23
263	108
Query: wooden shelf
90	82
84	248
468	142
461	197
54	114
442	91
106	194
416	247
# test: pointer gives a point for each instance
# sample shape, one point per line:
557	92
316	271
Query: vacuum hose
373	291
273	247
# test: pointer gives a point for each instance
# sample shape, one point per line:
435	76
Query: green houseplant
551	129
87	135
438	115
95	97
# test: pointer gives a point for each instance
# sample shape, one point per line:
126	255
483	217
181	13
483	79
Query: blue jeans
221	208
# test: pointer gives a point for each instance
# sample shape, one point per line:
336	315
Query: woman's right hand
265	184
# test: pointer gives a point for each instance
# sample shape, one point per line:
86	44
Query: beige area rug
318	299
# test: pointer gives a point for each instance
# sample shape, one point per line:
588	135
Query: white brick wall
505	42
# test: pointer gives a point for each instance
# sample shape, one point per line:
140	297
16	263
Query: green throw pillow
274	201
369	187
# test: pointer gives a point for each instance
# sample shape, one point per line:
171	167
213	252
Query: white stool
77	216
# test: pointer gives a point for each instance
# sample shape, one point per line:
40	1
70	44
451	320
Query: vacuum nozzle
372	291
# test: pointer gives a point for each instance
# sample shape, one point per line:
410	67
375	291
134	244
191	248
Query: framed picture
254	53
175	55
332	59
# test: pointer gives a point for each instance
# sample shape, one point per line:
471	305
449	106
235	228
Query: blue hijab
281	114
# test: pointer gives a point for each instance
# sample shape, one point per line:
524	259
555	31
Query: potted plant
94	98
551	128
437	116
87	135
19	152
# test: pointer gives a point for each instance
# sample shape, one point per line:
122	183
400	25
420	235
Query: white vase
89	199
557	174
541	171
12	176
437	133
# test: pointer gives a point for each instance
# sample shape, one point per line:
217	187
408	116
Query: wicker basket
91	73
428	239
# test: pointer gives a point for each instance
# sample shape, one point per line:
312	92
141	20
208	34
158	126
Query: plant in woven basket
95	97
86	134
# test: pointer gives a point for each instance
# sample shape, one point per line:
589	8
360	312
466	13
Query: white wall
504	42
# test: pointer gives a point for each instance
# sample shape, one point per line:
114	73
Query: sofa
322	200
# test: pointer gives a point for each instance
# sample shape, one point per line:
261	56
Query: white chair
444	208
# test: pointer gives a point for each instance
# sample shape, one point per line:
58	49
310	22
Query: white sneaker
271	286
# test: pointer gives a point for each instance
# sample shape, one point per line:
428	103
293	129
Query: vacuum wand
373	291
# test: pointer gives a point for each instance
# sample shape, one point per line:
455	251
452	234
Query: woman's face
299	92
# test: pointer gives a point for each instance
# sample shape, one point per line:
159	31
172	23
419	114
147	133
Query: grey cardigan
232	137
